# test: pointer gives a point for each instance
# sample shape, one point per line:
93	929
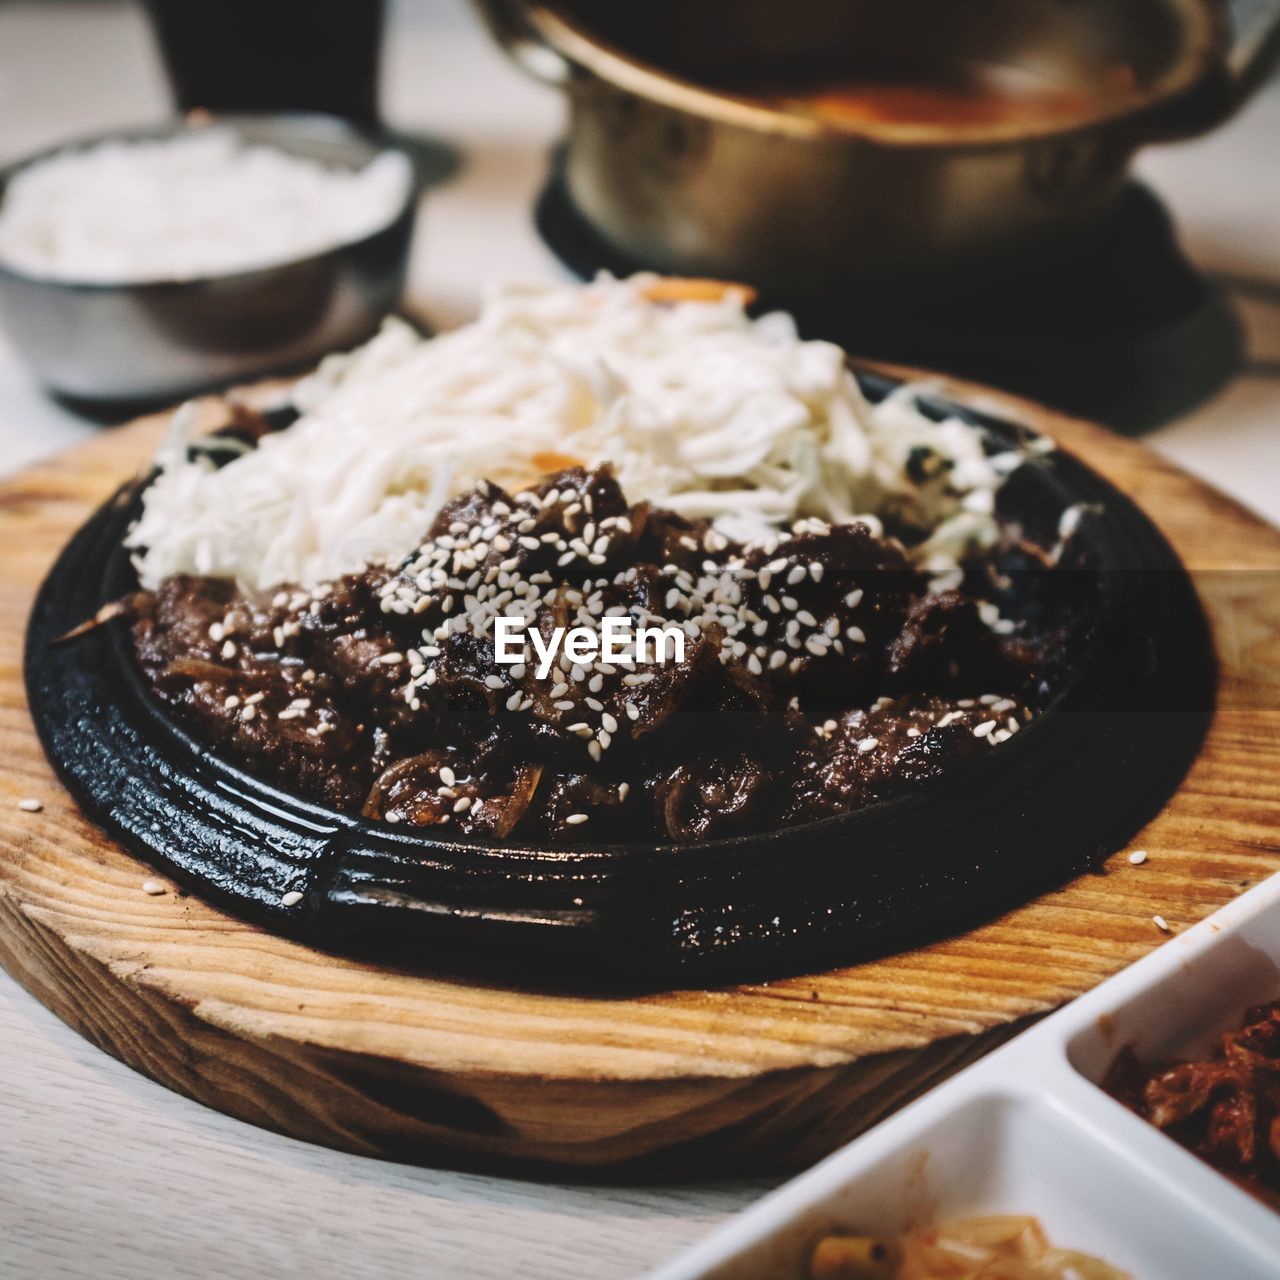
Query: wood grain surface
428	1067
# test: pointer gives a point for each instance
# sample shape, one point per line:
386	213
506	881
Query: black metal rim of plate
1035	811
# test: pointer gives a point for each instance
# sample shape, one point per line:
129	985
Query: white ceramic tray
1027	1130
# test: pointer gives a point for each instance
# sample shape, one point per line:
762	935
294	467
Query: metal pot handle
1254	53
512	26
1245	64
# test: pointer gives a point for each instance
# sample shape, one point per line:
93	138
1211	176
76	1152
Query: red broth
969	97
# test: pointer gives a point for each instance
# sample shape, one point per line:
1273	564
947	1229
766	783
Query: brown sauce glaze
820	674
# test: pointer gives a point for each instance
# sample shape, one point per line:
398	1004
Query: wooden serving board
433	1068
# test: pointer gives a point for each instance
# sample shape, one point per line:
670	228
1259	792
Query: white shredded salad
204	203
700	409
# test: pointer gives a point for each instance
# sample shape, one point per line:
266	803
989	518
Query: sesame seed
594	750
462	804
633	712
575	819
609	722
1161	923
447	776
868	744
494	682
291	899
1138	857
154	887
983	729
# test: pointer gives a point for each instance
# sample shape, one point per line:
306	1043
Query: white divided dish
1027	1130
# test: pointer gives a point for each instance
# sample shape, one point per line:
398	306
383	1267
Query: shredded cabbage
700	408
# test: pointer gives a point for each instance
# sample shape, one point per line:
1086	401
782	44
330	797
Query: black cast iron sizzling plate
1033	812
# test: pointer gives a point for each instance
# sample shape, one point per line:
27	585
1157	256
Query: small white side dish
1027	1130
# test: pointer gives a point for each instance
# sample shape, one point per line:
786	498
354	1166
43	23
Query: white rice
201	204
700	409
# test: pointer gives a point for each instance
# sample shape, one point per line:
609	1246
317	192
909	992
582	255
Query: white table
103	1172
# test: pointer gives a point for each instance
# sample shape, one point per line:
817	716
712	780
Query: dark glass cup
273	55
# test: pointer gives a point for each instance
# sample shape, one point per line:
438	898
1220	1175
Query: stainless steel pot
147	343
692	180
